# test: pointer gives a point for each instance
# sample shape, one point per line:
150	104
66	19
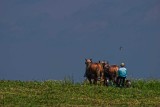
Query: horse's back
113	68
96	67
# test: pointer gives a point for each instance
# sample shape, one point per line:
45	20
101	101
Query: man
122	74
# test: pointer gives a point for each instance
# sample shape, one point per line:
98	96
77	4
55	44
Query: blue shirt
122	72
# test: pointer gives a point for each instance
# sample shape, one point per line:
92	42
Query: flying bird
121	48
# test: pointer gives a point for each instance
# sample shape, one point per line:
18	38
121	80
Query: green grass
66	94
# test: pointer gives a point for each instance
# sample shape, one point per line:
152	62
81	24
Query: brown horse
110	72
94	71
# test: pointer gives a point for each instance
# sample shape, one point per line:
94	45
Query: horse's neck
88	66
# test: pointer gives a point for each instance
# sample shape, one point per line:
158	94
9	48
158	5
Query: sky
50	39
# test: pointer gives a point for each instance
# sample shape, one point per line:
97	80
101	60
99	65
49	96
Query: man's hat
122	65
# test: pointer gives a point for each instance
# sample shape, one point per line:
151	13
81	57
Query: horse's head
101	62
88	61
104	63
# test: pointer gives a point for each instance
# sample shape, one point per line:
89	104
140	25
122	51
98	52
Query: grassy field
67	94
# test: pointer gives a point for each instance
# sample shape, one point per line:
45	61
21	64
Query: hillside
65	93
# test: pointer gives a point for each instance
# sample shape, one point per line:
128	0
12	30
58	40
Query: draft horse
110	72
94	71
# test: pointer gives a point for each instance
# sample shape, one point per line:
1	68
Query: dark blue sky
50	39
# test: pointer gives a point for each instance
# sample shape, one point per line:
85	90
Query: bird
120	48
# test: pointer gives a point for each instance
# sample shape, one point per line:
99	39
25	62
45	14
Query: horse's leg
107	78
111	80
95	80
118	81
106	81
90	81
98	75
115	77
102	79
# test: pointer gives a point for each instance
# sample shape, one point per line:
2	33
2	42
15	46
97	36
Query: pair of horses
100	71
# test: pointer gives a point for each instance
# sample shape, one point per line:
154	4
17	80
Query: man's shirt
122	72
